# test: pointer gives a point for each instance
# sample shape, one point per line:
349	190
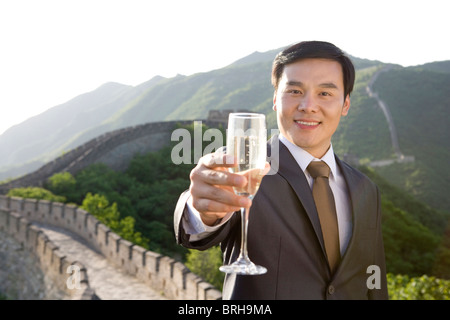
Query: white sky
52	51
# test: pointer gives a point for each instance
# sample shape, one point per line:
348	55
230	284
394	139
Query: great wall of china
114	149
34	266
20	220
400	157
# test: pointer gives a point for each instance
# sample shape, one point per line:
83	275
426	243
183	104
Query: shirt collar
303	157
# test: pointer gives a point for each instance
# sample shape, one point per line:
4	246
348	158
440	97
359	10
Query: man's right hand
212	187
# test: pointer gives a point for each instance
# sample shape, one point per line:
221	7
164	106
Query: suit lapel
293	174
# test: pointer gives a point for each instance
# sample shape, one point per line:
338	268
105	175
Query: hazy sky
52	51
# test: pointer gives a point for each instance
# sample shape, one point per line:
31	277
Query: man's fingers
217	159
212	187
218	209
266	169
211	198
217	177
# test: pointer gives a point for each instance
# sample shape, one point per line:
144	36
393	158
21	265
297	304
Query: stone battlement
159	272
52	262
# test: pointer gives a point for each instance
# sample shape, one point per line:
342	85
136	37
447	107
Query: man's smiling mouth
307	123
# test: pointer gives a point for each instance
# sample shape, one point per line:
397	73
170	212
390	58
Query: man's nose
308	103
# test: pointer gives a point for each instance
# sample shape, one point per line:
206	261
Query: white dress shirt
194	226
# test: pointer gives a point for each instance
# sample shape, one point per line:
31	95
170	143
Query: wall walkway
60	236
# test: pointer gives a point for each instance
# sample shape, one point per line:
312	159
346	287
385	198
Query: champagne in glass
246	141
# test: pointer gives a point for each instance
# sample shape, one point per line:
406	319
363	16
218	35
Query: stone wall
32	267
21	276
160	272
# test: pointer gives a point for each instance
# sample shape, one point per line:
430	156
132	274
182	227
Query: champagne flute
247	142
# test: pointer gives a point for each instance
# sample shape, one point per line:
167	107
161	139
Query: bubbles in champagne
250	152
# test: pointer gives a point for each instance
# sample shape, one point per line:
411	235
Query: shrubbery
402	287
36	193
206	264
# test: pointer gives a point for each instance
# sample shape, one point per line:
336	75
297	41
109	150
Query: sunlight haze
53	51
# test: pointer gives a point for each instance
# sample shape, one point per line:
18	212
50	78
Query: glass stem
243	255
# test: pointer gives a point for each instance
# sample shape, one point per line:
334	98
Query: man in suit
313	81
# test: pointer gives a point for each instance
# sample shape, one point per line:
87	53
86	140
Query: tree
409	246
206	264
98	206
441	267
63	183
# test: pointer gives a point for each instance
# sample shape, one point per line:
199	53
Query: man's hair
318	50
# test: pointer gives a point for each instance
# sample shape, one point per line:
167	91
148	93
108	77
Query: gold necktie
324	199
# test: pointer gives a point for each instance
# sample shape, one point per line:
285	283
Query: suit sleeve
183	238
180	236
379	258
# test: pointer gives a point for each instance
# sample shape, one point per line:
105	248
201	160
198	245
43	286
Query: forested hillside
419	103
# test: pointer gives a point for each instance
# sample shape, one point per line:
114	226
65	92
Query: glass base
243	268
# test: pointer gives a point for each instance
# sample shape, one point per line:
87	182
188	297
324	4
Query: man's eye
295	91
325	94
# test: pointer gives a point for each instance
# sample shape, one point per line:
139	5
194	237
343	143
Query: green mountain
419	104
416	97
28	145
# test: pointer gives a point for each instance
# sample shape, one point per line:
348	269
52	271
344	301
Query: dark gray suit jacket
284	235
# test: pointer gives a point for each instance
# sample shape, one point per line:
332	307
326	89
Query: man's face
309	103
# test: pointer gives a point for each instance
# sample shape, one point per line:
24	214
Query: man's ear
346	106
